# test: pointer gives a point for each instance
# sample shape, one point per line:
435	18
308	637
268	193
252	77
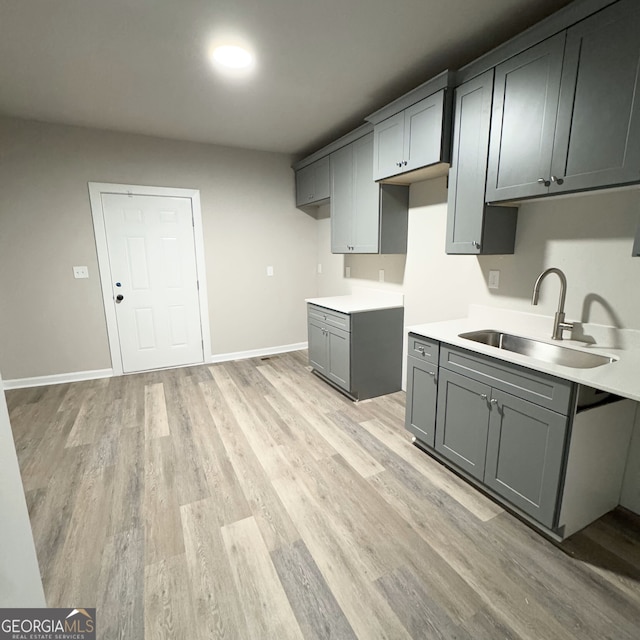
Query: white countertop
621	377
361	300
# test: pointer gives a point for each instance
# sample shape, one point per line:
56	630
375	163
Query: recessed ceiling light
232	57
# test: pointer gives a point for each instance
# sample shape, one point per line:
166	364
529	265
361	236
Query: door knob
119	298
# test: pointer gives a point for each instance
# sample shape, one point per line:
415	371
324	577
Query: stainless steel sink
554	354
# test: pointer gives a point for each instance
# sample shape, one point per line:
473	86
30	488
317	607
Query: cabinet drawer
539	388
423	348
329	317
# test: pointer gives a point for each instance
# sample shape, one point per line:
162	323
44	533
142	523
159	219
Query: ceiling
141	65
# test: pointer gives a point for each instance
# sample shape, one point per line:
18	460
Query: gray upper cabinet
474	227
354	212
567	111
414	138
525	105
313	183
597	140
365	217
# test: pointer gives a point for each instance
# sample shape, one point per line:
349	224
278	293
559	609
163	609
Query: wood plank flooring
251	501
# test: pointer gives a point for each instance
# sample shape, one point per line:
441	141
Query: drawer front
539	388
423	348
330	317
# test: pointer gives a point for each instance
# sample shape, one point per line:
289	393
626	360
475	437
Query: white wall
53	324
20	583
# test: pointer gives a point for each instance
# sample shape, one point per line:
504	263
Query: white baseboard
58	378
258	353
78	376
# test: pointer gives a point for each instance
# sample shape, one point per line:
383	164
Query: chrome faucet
559	325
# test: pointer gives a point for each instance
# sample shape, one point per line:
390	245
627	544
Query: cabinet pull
494	401
420	349
557	180
483	396
398	164
476	244
432	373
544	182
404	163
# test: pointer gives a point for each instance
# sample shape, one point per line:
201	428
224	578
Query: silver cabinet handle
494	401
420	349
404	163
432	373
543	181
476	244
398	164
483	396
557	180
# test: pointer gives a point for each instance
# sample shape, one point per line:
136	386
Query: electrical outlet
347	272
80	272
381	275
319	268
269	271
494	279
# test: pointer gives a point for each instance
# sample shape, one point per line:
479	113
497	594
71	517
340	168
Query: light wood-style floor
251	501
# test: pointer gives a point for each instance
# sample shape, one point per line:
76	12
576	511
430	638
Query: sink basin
552	353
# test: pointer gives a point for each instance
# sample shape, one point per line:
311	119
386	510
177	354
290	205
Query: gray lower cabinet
566	112
313	183
474	227
463	421
525	453
360	353
422	389
521	435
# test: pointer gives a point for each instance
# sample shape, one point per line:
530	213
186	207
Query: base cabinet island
549	449
355	343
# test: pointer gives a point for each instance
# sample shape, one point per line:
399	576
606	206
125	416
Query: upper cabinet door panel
366	213
305	180
525	106
388	147
423	132
322	185
468	174
341	199
598	131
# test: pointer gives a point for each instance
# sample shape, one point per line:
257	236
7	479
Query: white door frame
96	189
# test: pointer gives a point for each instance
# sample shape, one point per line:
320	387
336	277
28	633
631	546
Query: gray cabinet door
525	106
339	360
422	393
322	179
305	181
598	131
462	421
366	212
313	183
341	199
318	355
388	147
423	132
524	455
468	174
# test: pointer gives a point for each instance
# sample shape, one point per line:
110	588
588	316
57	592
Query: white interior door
152	260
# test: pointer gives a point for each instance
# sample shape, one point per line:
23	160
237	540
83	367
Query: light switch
494	279
269	271
319	267
347	272
80	272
